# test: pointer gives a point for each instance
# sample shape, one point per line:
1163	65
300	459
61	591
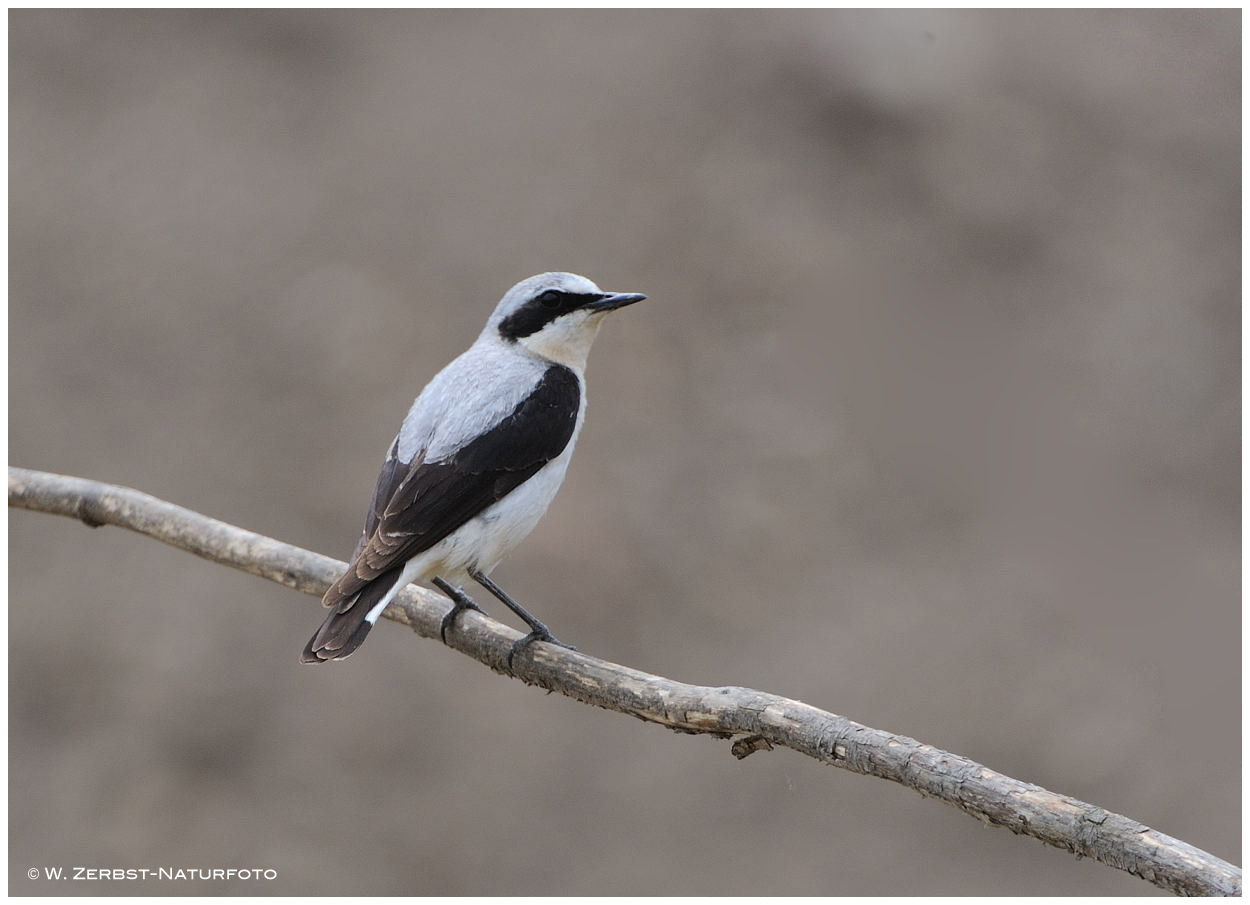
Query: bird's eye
549	299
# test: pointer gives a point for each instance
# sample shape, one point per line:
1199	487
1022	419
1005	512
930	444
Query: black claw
536	635
538	631
460	601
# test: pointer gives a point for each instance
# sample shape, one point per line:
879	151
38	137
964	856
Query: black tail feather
345	627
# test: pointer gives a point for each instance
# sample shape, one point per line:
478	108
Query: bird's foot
536	635
460	601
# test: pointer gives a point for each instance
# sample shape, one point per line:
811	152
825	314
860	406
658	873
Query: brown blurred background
932	420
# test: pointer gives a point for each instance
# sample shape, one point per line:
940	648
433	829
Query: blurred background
932	420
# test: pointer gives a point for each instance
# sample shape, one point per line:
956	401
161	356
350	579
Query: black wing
413	510
392	475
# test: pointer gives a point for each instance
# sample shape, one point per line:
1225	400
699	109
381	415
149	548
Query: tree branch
760	720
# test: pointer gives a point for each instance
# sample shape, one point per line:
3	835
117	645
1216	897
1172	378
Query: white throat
566	341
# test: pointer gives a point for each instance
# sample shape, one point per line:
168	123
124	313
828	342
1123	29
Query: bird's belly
485	540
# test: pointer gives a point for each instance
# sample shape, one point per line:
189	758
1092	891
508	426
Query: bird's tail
350	619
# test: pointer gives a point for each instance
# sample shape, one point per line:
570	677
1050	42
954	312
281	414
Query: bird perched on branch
476	463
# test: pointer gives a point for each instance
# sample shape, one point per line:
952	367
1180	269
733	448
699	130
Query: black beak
610	301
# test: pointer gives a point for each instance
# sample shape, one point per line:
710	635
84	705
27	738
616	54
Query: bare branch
762	720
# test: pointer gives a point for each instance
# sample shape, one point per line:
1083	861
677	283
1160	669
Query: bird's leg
538	631
460	601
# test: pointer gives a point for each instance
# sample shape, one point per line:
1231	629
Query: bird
476	462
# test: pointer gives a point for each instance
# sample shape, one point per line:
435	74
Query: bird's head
555	316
